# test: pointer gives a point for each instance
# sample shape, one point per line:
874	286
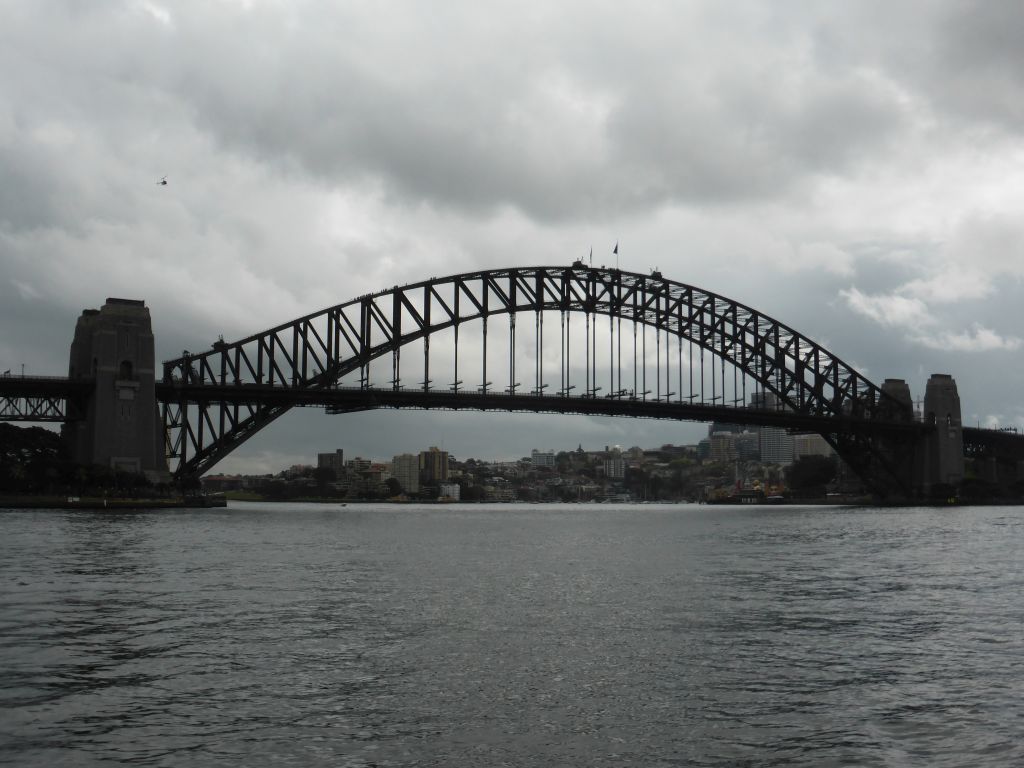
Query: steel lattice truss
41	398
314	353
37	408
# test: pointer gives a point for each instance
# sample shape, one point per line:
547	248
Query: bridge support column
900	453
121	427
941	454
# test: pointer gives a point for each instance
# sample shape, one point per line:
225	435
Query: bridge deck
349	399
41	398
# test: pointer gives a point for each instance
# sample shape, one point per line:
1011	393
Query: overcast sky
855	170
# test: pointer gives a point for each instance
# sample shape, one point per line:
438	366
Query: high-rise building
748	447
335	461
433	465
405	468
723	446
776	445
614	464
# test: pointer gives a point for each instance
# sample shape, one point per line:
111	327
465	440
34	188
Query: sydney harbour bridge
556	339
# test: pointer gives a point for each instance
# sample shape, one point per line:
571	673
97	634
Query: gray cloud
518	113
822	162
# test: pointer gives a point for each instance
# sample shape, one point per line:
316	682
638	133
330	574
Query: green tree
811	473
324	476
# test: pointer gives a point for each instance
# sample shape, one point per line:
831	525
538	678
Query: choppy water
269	635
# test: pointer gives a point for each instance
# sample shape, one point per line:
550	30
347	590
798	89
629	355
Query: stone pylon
941	467
121	427
899	452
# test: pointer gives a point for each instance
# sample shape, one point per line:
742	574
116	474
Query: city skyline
339	456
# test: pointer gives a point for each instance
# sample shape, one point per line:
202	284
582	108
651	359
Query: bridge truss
558	336
41	398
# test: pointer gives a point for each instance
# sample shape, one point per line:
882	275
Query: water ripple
589	636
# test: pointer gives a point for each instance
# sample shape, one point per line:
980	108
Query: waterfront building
499	492
334	460
542	459
723	446
449	492
358	464
433	465
614	464
405	468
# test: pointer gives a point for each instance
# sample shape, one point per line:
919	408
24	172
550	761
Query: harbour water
647	635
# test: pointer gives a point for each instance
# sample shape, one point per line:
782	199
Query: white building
449	491
614	464
542	458
776	445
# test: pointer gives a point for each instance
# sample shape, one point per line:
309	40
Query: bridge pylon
121	426
940	470
926	465
900	451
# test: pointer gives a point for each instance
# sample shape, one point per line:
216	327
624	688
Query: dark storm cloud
513	113
956	59
977	66
850	168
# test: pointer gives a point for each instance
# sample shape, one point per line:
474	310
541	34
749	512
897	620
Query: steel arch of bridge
313	353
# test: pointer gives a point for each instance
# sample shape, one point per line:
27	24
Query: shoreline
100	502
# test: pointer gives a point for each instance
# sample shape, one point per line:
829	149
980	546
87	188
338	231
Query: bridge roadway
52	398
351	399
42	398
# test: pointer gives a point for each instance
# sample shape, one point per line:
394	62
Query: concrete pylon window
125	371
